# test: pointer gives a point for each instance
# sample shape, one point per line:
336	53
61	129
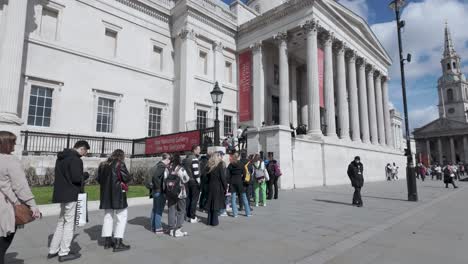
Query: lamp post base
411	182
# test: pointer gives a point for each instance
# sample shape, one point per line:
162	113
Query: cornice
195	14
146	9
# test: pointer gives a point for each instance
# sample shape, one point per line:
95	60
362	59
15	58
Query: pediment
440	125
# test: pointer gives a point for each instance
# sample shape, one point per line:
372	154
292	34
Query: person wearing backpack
274	172
176	194
191	165
261	176
236	172
247	177
158	174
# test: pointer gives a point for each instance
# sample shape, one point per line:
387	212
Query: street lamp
217	98
410	176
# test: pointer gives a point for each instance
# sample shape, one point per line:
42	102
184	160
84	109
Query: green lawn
43	195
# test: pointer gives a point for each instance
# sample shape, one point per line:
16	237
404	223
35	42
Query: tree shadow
11	258
385	198
94	234
145	222
333	202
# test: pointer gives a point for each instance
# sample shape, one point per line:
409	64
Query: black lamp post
217	97
410	176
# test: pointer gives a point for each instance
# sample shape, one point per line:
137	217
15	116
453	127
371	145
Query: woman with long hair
261	176
236	172
14	189
176	200
217	188
113	177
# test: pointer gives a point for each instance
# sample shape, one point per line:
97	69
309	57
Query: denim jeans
159	202
244	201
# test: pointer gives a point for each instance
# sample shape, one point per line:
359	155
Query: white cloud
357	6
422	116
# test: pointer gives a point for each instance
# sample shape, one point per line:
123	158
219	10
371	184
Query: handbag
23	214
119	176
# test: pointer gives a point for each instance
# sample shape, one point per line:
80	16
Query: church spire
449	49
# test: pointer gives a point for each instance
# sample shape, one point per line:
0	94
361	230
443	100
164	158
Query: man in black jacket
159	201
192	165
355	173
69	179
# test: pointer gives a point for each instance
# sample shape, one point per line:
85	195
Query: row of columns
452	152
365	117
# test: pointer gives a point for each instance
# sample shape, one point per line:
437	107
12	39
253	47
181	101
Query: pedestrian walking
217	188
261	177
355	174
158	174
191	165
449	175
236	172
113	178
69	179
176	195
395	171
14	190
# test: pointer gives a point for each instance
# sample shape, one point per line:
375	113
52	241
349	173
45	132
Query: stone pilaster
293	104
379	107
343	110
362	91
258	85
219	62
353	96
371	106
282	39
328	89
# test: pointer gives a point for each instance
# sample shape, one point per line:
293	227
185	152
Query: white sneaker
223	214
178	233
264	204
256	204
194	220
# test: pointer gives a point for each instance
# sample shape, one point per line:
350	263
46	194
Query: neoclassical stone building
137	68
446	138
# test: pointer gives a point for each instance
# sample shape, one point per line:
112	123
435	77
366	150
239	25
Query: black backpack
172	187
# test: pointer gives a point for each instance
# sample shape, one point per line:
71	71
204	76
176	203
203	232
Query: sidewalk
315	225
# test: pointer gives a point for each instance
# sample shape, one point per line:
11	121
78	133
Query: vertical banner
320	70
245	86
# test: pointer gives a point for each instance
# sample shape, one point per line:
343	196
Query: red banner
320	70
172	143
245	86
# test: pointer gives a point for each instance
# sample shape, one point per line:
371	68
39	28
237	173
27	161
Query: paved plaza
315	225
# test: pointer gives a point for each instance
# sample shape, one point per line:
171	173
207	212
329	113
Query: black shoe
70	256
120	246
51	256
359	205
108	243
455	187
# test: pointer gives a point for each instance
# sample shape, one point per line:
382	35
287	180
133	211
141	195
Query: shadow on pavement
385	198
10	258
145	222
74	247
94	234
333	202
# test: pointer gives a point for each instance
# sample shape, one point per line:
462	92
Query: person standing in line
274	172
113	177
394	172
236	172
14	189
69	178
355	174
247	178
159	174
217	188
191	165
261	177
176	195
449	175
203	182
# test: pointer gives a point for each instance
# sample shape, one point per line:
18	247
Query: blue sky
423	37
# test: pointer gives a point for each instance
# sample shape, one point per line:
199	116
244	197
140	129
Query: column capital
256	47
351	55
187	33
310	26
218	46
361	62
385	78
339	47
370	69
281	37
326	38
377	74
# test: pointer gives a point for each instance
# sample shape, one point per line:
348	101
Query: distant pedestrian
236	172
388	172
14	189
395	171
355	173
176	195
449	175
191	165
159	173
275	173
260	174
438	172
113	177
217	188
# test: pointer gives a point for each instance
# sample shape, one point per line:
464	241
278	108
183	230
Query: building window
111	42
201	119
203	62
448	66
228	72
49	22
451	110
449	95
105	115
154	122
227	125
40	106
454	65
156	60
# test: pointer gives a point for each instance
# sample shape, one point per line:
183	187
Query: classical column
313	92
440	151
187	68
465	148
304	98
282	39
11	59
371	106
353	96
293	105
363	110
328	89
452	150
258	85
379	106
428	151
219	63
343	108
386	109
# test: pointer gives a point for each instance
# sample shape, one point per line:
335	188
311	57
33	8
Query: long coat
355	173
112	196
69	177
217	186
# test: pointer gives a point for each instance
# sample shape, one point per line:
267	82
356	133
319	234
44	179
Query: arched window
454	65
449	95
448	66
